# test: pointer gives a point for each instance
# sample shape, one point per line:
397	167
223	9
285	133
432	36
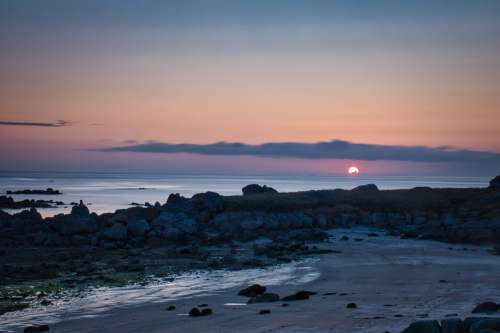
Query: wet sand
392	281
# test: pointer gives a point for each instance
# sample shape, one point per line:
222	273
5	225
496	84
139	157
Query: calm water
106	192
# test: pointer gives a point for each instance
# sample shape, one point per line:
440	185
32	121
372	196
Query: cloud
336	149
58	123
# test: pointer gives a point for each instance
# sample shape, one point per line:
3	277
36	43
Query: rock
252	291
257	189
171	308
195	312
119	218
137	228
301	295
77	224
209	201
264	298
471	320
452	326
253	224
116	232
187	226
486	307
264	311
485	323
172	233
367	187
424	326
78	240
80	210
495	182
351	306
206	312
37	328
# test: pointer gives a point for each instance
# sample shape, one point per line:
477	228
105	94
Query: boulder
209	201
252	291
77	224
367	187
424	326
116	232
495	182
257	189
187	226
138	228
172	233
485	324
454	325
486	307
80	210
251	224
264	298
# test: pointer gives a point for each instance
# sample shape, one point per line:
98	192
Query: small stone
171	308
352	306
195	312
252	291
264	311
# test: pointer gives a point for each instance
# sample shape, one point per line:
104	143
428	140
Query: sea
107	191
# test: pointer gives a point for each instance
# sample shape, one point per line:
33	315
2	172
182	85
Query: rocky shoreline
81	249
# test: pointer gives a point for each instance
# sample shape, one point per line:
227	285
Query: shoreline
373	273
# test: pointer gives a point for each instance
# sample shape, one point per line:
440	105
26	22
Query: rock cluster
257	189
456	325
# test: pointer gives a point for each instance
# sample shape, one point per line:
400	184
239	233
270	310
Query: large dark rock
116	232
257	189
486	307
485	324
252	291
424	326
495	182
454	325
137	228
264	298
471	320
367	187
209	201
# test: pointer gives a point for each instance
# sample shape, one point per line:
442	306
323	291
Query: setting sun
353	170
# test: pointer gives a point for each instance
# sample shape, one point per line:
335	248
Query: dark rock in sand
257	189
252	291
351	306
424	326
171	308
301	295
452	326
264	298
206	312
264	311
37	328
367	187
486	307
195	312
495	182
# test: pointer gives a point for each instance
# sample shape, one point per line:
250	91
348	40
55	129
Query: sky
395	87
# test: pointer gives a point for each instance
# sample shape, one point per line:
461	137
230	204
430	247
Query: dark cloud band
336	149
59	123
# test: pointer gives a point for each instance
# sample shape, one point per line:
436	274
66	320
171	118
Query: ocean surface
106	192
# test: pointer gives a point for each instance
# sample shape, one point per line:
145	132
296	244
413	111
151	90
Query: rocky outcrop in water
257	189
49	191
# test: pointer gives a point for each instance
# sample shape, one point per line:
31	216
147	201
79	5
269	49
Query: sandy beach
392	281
